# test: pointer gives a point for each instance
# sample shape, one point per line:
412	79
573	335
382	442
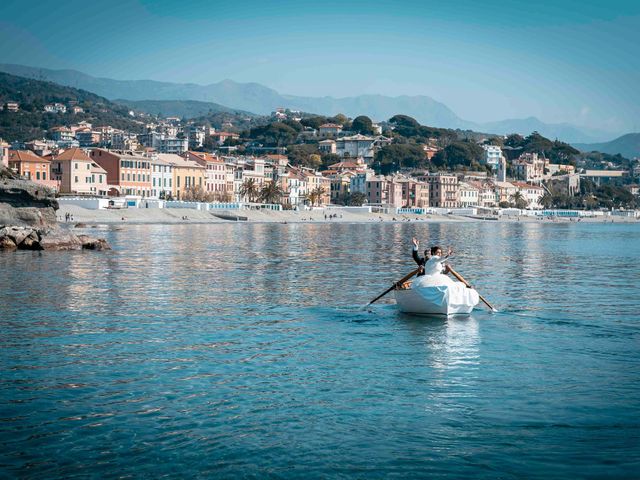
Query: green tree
519	201
250	189
356	199
271	193
460	153
362	124
392	158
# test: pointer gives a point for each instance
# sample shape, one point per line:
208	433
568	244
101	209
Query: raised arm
414	252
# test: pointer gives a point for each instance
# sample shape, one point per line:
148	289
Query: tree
275	134
546	200
197	194
356	199
459	153
392	158
271	193
249	189
315	195
362	124
303	155
519	201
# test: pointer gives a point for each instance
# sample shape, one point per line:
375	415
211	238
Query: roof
25	156
330	125
207	157
527	185
346	165
95	168
178	161
73	154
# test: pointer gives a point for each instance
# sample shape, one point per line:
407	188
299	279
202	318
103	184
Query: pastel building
32	167
128	173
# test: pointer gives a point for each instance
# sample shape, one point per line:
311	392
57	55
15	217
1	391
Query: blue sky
562	61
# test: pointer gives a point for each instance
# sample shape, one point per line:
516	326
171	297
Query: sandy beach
181	216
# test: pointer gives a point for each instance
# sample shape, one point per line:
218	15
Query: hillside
31	122
179	108
262	100
627	145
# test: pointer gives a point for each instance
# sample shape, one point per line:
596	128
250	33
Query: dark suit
419	260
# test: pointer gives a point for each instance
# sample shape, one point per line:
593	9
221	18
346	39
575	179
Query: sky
558	60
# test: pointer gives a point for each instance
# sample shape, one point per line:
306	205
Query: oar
399	282
461	278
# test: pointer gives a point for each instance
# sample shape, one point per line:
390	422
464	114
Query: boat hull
437	300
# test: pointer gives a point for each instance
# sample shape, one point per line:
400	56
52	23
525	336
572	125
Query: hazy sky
560	60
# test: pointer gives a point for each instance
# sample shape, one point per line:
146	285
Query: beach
162	216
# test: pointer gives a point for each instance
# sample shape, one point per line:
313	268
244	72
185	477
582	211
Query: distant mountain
178	108
31	122
627	145
562	131
253	97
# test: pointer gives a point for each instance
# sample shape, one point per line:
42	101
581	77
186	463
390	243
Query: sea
247	351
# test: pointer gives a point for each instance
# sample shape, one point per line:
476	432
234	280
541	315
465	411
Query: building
161	179
221	137
99	184
469	195
76	109
529	167
504	192
492	155
55	108
12	106
327	146
4	154
72	168
329	130
384	191
87	137
163	143
128	173
600	176
443	189
62	134
568	184
32	167
558	169
216	181
360	146
532	194
340	184
187	174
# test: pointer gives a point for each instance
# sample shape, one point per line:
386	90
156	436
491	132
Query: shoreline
181	216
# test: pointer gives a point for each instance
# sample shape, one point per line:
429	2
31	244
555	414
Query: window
44	175
178	182
88	166
123	177
100	178
75	166
128	177
37	175
76	179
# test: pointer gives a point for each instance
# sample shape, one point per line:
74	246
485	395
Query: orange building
31	166
127	173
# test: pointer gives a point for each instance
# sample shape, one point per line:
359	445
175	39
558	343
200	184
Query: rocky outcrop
28	219
28	238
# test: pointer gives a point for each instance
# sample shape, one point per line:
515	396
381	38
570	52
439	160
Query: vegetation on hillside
31	122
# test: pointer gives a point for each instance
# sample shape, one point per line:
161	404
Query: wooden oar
399	282
461	278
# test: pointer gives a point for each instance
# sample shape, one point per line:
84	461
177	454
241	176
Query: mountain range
627	145
257	98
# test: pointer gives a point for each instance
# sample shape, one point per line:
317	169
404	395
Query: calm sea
241	350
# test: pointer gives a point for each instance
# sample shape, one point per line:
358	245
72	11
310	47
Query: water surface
241	350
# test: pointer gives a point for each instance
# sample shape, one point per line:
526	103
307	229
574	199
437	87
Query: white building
161	178
360	146
468	195
492	155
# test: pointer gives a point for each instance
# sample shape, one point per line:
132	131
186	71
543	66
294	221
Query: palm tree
271	193
319	193
518	200
312	197
249	189
546	200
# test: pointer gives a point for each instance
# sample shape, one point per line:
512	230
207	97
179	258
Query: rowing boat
450	299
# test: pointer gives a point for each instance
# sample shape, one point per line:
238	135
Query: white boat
454	299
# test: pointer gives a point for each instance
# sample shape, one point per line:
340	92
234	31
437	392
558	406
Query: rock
80	225
91	243
30	244
7	244
59	239
17	234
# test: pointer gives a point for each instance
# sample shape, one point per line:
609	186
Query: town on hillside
294	160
